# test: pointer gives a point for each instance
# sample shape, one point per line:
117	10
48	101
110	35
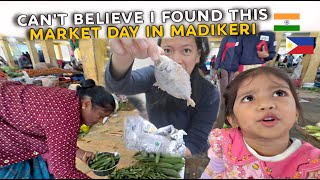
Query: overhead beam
49	53
215	38
33	53
7	51
314	63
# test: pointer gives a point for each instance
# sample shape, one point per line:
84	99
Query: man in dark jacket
28	56
255	50
290	60
24	62
41	56
225	60
228	66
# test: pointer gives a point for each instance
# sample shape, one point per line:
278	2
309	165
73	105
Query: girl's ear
232	120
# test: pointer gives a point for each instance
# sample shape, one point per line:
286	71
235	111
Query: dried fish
172	78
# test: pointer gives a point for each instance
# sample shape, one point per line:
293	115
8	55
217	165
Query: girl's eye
279	93
167	50
247	98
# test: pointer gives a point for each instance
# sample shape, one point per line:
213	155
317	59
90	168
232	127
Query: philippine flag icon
300	45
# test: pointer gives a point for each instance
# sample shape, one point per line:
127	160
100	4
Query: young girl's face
182	50
264	107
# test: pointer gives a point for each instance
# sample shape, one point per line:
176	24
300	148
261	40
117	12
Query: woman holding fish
171	85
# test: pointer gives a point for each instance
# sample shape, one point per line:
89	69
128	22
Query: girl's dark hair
232	89
202	44
99	96
200	86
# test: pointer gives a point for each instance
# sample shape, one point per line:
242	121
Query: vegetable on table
151	166
103	161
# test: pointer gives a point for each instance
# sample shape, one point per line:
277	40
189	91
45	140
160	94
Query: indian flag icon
286	21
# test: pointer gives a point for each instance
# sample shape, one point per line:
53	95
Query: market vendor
164	109
36	120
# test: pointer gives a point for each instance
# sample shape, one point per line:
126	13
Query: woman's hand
85	156
187	153
125	50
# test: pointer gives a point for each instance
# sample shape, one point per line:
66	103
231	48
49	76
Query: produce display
313	130
151	166
84	129
2	74
314	89
11	71
226	125
44	72
104	161
17	72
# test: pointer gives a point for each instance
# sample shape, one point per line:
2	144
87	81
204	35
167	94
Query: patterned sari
35	168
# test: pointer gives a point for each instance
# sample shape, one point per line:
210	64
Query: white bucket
308	85
50	81
29	80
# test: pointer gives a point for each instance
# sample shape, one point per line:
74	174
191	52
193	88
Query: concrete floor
108	137
311	111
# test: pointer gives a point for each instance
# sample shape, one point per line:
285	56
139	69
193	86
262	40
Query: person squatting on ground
262	106
36	120
164	109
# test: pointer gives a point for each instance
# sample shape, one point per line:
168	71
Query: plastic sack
141	135
297	72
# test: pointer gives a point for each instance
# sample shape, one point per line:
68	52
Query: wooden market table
109	137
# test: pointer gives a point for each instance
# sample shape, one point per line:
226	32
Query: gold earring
83	107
